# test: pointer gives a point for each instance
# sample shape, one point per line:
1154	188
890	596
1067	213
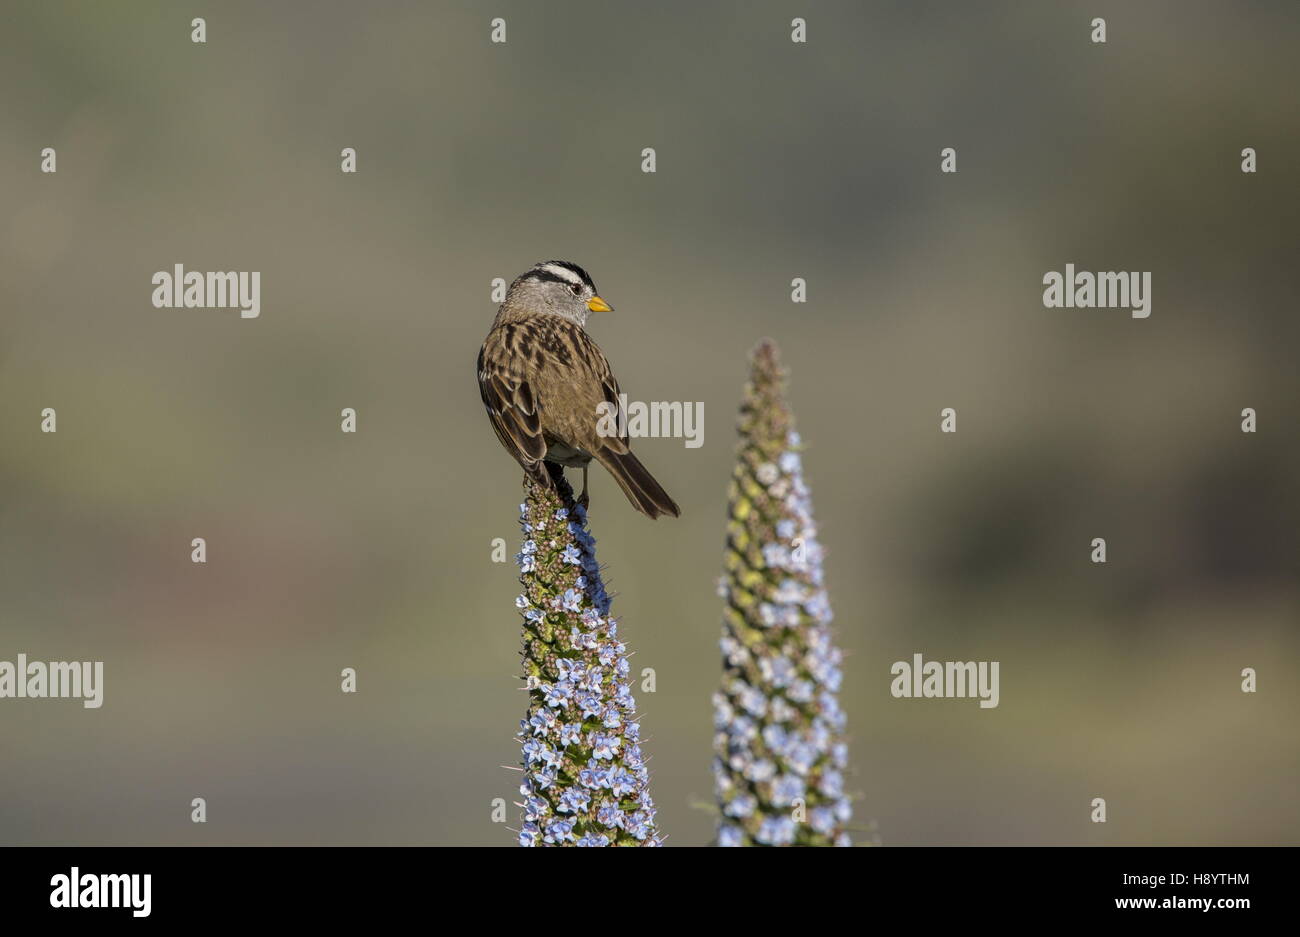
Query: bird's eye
577	290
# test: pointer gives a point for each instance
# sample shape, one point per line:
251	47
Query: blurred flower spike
780	753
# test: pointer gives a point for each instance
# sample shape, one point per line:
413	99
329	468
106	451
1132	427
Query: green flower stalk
585	777
779	746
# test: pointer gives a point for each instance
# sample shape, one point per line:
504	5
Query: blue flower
621	782
776	738
801	757
741	806
556	694
831	783
786	789
591	705
729	835
542	721
573	800
558	831
778	671
604	745
594	776
753	700
641	824
535	808
609	814
776	831
776	555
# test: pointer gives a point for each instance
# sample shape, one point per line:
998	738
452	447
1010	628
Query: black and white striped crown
560	271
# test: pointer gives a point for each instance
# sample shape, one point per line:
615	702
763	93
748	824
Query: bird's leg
582	498
556	473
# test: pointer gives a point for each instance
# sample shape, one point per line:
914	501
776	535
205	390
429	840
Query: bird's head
559	287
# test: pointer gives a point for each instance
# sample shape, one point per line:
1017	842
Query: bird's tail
646	494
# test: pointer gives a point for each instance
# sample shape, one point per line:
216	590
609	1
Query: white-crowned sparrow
542	379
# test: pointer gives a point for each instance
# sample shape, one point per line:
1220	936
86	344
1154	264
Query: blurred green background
775	160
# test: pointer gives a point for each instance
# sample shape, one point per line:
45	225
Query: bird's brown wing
613	450
603	376
572	378
511	404
542	379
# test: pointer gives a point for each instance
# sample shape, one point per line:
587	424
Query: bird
543	380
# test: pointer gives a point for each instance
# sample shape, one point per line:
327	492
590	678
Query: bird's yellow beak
596	304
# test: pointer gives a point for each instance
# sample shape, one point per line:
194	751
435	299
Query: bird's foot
582	498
